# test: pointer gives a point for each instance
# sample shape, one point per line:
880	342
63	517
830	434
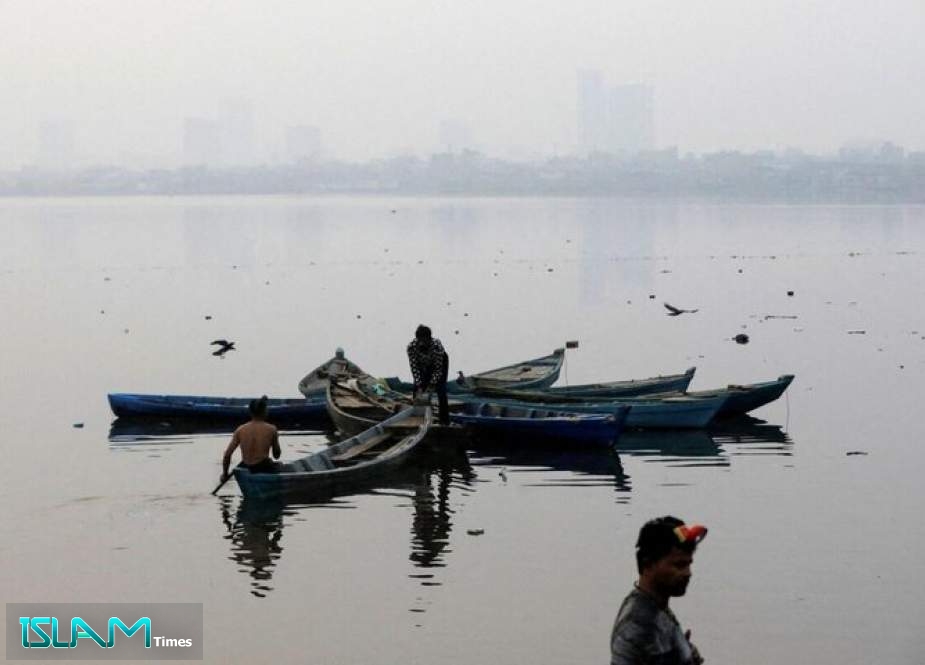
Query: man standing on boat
256	438
646	632
429	367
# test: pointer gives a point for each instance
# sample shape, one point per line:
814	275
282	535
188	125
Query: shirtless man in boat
256	439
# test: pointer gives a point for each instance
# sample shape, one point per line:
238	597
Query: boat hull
233	409
666	413
317	474
549	426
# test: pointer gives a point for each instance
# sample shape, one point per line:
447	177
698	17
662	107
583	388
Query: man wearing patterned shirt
429	367
646	632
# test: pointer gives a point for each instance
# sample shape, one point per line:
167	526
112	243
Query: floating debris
651	296
107	279
208	317
455	332
790	293
779	316
857	332
548	269
855	452
78	425
359	316
741	338
571	344
475	532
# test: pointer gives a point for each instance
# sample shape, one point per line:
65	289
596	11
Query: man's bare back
256	439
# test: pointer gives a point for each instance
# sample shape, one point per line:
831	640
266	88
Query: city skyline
115	83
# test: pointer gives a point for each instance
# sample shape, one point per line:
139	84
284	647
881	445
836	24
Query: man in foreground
256	439
430	365
646	632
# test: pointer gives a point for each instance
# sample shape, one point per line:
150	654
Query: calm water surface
812	555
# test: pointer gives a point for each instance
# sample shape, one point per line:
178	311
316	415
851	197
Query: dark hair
258	407
423	333
657	538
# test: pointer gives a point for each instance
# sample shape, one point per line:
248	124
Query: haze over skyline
382	79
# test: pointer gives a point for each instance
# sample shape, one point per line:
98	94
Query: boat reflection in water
713	447
440	478
549	465
255	527
254	530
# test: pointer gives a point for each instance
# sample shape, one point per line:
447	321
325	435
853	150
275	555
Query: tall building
303	143
616	119
202	143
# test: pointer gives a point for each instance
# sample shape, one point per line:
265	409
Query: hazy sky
379	77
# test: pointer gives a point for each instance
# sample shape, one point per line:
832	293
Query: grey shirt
646	634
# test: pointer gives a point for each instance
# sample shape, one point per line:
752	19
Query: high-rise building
202	143
303	143
617	119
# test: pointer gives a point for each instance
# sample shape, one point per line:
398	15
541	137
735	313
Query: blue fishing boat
662	413
279	410
607	390
358	404
357	460
541	423
748	397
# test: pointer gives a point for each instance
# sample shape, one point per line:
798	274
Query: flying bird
675	311
224	347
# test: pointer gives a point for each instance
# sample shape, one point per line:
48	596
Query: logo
81	629
104	631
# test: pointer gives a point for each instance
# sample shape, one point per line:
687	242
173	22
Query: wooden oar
219	486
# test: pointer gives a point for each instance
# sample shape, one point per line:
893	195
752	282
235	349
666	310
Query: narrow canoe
353	409
356	405
608	390
134	405
540	423
664	413
354	461
315	382
748	397
743	397
528	375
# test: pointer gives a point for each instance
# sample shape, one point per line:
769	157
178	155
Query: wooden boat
353	406
663	413
542	423
357	405
528	375
747	397
234	409
359	459
316	382
608	390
